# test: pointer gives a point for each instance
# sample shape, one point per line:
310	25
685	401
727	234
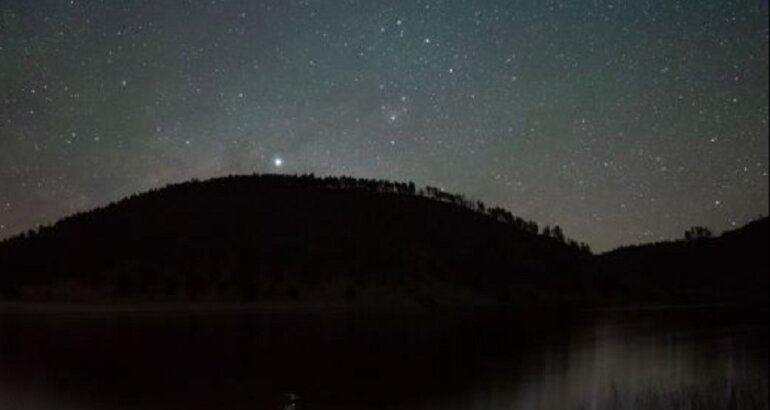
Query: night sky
621	121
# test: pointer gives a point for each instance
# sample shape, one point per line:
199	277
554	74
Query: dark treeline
733	267
276	237
403	188
289	238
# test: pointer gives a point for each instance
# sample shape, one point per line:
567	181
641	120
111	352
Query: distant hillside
302	239
297	238
732	267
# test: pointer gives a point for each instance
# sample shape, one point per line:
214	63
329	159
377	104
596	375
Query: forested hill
302	239
270	237
730	268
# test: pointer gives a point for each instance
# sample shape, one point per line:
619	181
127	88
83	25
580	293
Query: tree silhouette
283	236
557	234
697	233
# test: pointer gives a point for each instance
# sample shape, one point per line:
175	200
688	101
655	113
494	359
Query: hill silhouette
730	268
290	239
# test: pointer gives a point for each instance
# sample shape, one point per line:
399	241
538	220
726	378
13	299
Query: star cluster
621	121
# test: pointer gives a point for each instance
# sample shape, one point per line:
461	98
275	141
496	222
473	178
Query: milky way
621	121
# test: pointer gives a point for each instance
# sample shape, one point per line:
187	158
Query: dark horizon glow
622	122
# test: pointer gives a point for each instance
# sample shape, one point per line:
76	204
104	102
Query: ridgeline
344	241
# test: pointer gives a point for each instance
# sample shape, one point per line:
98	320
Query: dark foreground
682	358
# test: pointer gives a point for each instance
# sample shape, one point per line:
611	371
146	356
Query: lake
665	358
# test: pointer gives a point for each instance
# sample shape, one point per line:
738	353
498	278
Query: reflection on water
619	367
591	360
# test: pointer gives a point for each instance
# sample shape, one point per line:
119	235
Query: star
575	108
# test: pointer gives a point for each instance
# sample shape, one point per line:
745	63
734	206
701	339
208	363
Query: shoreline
57	308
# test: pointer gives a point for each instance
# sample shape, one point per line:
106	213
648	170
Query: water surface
623	359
